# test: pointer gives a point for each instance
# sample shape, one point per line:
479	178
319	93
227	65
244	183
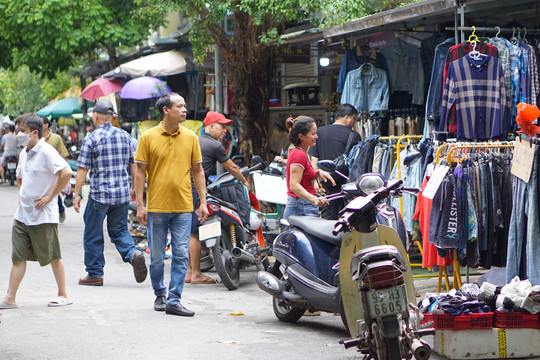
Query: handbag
342	161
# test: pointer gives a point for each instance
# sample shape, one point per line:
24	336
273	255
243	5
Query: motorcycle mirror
256	160
412	159
327	165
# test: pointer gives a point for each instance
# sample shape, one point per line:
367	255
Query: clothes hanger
525	34
473	36
498	31
513	39
475	54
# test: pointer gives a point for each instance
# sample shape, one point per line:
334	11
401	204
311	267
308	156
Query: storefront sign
292	54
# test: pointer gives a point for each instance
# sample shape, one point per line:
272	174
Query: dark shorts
35	243
194	217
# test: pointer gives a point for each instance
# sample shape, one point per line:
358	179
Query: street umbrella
144	87
101	87
64	107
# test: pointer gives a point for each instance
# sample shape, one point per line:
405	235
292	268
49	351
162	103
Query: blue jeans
159	224
94	215
300	207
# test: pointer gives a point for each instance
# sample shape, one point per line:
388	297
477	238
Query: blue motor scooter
305	274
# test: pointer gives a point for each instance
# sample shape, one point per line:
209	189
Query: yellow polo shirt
58	143
168	158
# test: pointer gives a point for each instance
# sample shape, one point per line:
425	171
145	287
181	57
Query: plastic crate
462	322
516	320
427	318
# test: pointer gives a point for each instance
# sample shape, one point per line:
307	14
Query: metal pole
462	15
217	76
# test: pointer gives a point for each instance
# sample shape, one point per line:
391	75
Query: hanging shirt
352	61
436	86
405	69
504	58
366	88
477	91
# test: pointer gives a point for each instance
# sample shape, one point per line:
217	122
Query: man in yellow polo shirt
166	154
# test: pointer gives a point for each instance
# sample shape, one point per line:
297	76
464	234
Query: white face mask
23	139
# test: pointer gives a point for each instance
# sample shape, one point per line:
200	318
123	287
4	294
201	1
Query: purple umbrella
144	87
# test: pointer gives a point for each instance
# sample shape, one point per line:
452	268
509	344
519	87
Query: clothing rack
398	160
489	29
452	148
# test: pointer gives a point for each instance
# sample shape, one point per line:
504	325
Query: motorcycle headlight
368	183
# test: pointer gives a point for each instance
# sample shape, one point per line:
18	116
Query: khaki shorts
35	243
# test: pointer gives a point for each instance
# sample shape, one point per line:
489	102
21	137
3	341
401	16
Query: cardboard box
487	343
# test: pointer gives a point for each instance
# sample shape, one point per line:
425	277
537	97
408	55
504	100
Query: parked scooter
10	168
376	283
305	274
232	231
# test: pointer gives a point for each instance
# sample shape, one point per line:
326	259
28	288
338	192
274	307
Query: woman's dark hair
344	110
165	100
299	125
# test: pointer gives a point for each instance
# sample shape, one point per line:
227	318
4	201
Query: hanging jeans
524	228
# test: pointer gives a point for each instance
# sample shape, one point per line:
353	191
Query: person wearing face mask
106	154
41	175
9	145
212	151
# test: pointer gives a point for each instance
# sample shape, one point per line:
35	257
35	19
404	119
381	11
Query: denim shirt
405	69
434	97
366	90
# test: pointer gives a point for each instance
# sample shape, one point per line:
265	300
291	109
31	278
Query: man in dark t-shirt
331	143
212	151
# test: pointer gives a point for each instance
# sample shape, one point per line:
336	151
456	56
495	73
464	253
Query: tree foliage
22	90
51	35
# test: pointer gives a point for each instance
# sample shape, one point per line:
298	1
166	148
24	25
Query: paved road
117	321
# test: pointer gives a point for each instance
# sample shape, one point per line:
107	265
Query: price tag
435	181
523	160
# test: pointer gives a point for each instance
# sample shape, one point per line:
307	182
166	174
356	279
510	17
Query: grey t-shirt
9	142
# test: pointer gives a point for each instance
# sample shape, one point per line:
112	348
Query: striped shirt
107	153
476	89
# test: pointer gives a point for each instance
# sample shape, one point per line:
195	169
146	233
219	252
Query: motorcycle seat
320	228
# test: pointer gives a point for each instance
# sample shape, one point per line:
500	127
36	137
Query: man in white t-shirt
41	175
9	145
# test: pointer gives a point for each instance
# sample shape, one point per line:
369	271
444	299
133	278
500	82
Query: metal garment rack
451	149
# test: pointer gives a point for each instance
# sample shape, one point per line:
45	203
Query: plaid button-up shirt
107	153
457	52
477	91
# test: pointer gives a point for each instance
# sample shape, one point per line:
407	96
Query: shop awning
160	64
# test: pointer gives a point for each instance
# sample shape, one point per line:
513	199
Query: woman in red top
302	199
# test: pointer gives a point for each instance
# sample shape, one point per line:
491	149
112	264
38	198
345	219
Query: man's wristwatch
79	195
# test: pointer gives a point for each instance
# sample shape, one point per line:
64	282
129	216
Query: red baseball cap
212	117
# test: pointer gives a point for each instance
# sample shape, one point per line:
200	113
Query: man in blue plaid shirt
106	154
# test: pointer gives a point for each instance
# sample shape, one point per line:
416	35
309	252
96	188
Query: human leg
60	277
94	214
157	228
117	228
180	226
61	209
196	276
16	275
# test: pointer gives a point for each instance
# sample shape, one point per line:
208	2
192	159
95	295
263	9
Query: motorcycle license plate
11	166
208	231
387	301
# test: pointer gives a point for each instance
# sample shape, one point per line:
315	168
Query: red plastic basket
516	320
427	318
463	322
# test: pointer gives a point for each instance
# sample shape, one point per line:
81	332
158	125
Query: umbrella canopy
101	87
144	87
64	107
160	64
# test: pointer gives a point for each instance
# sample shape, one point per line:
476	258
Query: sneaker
160	303
62	217
139	266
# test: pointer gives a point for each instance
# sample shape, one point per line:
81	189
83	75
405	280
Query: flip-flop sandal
7	306
205	281
59	301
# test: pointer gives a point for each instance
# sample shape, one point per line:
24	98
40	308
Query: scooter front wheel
226	265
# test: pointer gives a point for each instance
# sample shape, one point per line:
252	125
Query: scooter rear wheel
283	309
12	178
226	265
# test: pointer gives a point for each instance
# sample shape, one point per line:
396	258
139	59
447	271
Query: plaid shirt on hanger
457	52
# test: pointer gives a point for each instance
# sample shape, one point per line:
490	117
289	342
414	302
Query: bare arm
63	179
234	170
79	182
132	192
296	173
139	179
200	185
314	162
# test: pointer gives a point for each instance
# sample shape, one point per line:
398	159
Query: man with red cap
212	151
